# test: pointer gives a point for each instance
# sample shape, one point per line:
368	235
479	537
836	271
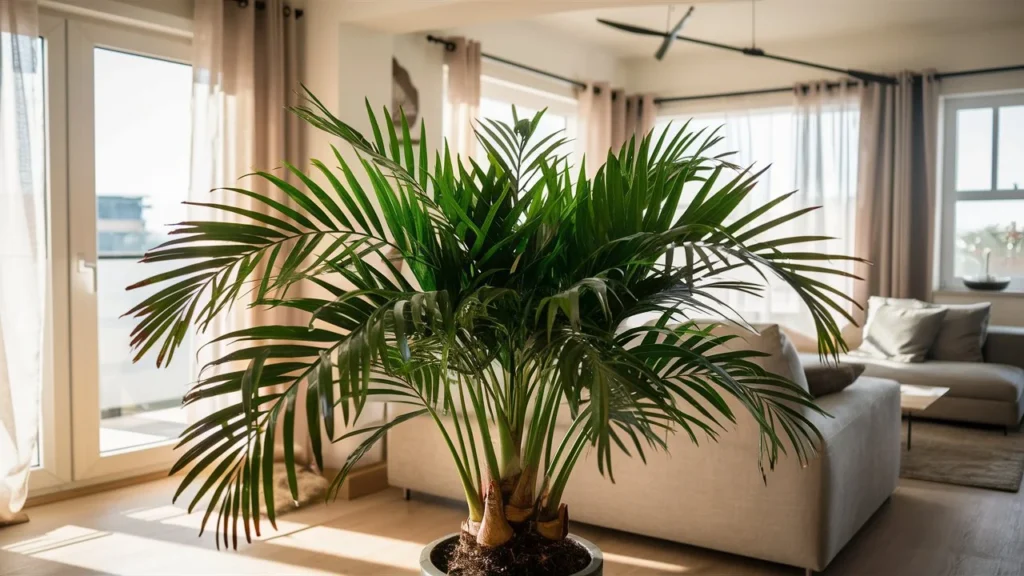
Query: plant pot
595	568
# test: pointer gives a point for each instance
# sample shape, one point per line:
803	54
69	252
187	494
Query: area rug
963	455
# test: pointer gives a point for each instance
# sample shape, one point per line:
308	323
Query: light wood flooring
925	529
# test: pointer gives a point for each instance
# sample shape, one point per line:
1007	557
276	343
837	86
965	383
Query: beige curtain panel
462	96
247	69
896	196
607	119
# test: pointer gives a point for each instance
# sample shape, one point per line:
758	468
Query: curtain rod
780	90
450	46
261	5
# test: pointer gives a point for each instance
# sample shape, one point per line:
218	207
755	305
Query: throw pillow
964	327
900	334
825	379
962	334
782	358
876	302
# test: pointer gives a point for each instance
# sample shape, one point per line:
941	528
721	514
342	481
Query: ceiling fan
669	36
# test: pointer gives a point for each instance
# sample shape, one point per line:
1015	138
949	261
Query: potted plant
486	296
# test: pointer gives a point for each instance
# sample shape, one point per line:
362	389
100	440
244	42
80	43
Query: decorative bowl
987	282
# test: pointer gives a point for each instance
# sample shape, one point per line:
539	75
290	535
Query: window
813	151
142	127
114	106
498	96
983	188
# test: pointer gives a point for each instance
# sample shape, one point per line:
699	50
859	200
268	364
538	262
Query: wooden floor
927	529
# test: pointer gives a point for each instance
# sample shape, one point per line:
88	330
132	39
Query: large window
810	150
498	96
983	187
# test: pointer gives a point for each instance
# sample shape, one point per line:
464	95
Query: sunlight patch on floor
118	553
63	536
173	515
661	567
157	514
354	545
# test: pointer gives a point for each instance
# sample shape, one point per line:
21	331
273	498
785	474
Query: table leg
910	428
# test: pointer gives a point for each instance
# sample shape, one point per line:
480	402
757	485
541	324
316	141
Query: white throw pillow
961	336
901	333
783	358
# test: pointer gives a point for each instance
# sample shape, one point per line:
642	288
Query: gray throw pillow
962	334
823	379
964	328
900	334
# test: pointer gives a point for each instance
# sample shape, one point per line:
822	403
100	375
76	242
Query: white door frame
55	399
83	37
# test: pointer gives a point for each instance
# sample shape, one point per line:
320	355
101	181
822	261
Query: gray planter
595	568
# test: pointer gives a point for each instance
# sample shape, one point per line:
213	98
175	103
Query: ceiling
780	22
401	16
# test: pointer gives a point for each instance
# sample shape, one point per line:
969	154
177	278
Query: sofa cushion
964	379
962	334
782	357
963	331
900	333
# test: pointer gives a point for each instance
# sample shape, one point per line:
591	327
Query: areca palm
485	296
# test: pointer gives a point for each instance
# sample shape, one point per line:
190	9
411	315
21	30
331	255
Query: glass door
51	464
129	136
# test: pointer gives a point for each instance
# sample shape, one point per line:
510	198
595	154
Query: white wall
544	48
345	65
424	61
528	43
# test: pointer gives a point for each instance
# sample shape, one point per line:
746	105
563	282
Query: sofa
713	495
989	392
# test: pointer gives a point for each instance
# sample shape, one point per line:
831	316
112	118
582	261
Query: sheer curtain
23	249
811	147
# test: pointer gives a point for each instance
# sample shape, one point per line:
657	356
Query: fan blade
631	28
672	35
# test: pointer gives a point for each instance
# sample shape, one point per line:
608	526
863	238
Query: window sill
1015	290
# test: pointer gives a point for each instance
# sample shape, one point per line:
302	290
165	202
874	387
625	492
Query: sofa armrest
1005	345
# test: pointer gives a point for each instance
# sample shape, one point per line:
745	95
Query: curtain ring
287	11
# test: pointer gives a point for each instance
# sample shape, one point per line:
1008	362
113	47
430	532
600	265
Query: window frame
88	459
949	195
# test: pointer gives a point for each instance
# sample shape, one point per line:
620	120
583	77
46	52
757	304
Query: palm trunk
494	529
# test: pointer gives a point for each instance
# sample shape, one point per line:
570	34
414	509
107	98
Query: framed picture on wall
404	97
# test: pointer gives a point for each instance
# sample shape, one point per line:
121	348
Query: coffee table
915	398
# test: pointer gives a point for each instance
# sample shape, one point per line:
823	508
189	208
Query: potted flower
488	296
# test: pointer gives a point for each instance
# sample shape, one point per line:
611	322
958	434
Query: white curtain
23	249
462	96
811	147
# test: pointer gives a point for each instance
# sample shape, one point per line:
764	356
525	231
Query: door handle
85	265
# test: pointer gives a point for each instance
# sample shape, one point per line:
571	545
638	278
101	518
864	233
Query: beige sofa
713	496
991	392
